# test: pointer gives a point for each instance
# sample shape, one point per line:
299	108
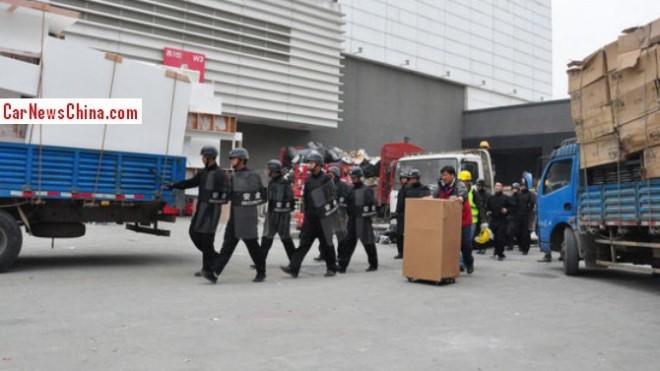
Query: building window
189	22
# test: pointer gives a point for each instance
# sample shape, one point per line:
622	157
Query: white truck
476	161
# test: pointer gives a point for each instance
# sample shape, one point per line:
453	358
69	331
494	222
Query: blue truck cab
557	196
606	216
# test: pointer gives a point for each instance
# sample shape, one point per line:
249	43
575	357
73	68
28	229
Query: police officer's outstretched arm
188	183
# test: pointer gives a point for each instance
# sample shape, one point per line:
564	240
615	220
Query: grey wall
383	104
521	137
525	119
264	142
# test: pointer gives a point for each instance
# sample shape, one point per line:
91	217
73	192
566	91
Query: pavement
119	300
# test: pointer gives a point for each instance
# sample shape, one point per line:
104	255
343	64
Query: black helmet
239	153
274	165
515	186
335	170
357	172
415	173
404	174
481	182
316	158
209	151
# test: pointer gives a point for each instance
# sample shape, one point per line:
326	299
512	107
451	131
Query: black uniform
361	208
247	193
498	221
278	219
213	187
480	198
319	205
339	218
523	218
512	226
417	190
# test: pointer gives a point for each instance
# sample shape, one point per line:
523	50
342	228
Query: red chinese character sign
179	58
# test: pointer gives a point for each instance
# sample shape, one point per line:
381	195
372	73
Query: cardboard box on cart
432	239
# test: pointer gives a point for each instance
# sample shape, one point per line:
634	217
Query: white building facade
501	50
272	62
348	73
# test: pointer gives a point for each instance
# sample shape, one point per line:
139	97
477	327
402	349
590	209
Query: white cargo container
71	71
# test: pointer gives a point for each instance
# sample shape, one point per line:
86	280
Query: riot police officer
339	218
361	208
280	205
247	192
213	186
414	189
319	205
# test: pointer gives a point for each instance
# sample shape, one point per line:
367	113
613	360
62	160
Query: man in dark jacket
497	207
524	216
319	205
513	212
212	194
247	192
361	208
403	179
415	189
280	206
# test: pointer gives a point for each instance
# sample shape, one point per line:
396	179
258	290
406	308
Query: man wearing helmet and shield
413	189
339	218
361	208
247	192
213	187
280	206
319	205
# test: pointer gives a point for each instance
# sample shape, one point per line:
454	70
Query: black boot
259	278
289	270
210	276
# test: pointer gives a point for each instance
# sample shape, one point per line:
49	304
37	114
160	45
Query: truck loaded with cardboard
56	178
599	195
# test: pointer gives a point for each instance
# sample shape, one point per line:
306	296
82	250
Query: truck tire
11	240
571	253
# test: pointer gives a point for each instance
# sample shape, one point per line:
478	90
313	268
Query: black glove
168	186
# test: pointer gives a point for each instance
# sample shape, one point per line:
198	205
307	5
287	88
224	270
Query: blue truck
53	191
607	216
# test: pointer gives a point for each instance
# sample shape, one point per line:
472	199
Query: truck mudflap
154	230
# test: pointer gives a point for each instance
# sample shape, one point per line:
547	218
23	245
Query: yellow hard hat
483	237
465	175
484	144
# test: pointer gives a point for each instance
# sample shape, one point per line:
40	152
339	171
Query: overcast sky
579	27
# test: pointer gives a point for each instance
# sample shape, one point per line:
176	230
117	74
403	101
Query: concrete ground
119	300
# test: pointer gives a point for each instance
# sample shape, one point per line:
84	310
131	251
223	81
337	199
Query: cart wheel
410	279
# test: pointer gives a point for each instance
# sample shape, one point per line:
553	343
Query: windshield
429	167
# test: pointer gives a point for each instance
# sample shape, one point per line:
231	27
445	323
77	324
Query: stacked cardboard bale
615	95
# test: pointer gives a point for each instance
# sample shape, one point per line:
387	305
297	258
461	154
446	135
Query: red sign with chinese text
179	58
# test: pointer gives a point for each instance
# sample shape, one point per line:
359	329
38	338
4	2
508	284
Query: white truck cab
476	161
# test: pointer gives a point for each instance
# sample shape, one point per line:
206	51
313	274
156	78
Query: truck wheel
571	253
655	263
11	240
